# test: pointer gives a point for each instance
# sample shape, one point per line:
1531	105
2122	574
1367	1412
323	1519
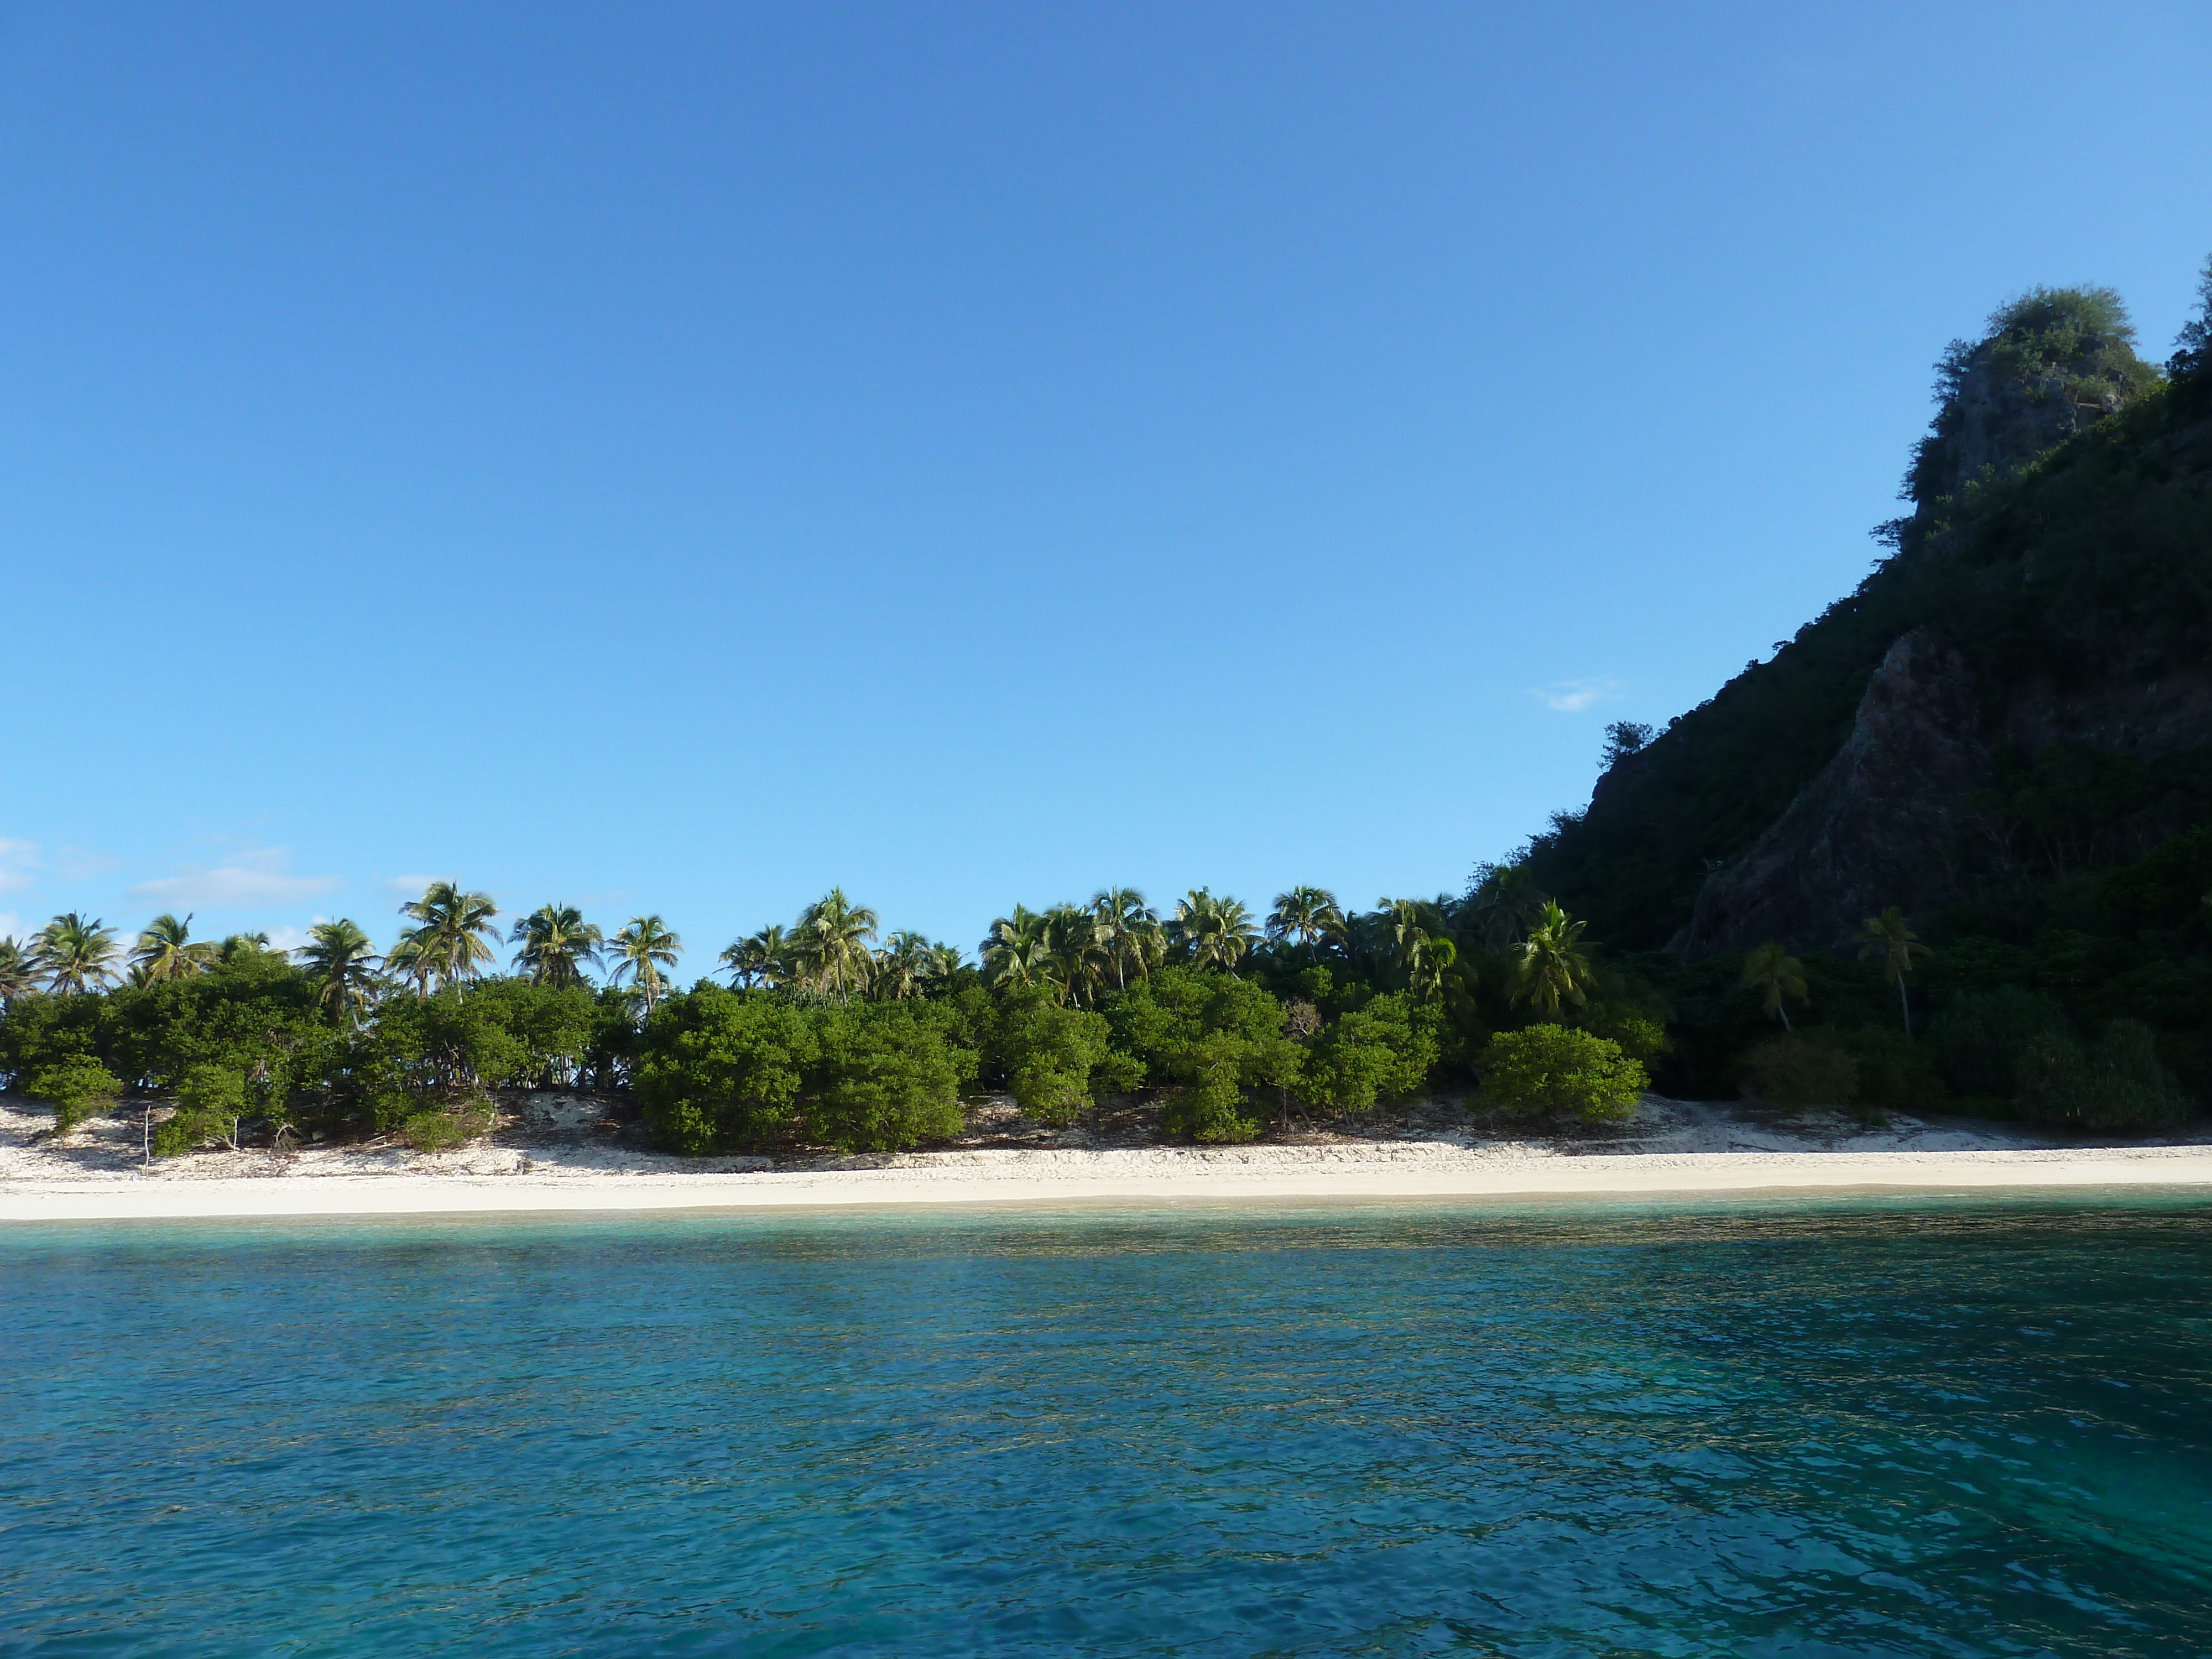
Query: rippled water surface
1840	1427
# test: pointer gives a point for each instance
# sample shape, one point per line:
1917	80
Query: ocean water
1775	1428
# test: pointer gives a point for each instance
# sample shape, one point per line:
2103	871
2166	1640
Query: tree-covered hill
2055	576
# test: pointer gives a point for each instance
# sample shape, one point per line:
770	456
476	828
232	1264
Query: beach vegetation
1556	1071
77	1087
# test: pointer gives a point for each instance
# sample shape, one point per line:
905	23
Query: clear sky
675	458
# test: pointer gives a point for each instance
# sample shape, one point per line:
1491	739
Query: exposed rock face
1874	827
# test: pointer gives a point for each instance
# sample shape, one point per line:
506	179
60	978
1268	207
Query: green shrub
1802	1068
1979	1040
1555	1070
440	1129
209	1102
1050	1052
1209	1108
1894	1072
2119	1084
1375	1053
77	1087
885	1081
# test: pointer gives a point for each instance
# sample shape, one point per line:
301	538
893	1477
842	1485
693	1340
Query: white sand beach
548	1159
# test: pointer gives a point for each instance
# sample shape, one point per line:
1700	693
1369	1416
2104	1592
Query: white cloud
409	887
17	860
290	939
1573	697
13	926
258	880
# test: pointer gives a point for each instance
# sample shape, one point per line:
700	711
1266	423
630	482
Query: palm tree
1076	942
340	958
1887	936
19	971
831	942
1304	917
1551	968
1129	930
76	955
410	961
1017	951
556	944
1213	932
164	951
455	938
1773	972
764	958
1429	963
904	966
1502	903
945	960
642	951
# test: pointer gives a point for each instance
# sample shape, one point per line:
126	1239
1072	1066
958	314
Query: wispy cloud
257	880
13	926
1573	697
409	887
17	860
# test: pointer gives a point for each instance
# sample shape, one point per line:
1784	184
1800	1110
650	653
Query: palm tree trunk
1785	1012
1905	1003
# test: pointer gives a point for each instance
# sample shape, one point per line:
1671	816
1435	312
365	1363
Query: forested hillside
2059	549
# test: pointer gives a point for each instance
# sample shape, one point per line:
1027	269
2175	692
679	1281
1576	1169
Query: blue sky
675	458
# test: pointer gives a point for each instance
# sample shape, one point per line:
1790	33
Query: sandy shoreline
555	1158
1168	1175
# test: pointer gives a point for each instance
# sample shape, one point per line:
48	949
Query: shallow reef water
1772	1427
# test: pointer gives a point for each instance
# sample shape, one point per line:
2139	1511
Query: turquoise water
1843	1427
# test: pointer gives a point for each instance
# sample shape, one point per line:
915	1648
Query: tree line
827	1031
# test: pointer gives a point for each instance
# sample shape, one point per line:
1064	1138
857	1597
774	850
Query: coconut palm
1212	932
1017	951
764	958
76	956
410	961
455	937
831	943
342	963
642	951
945	960
1304	917
165	951
1502	904
1887	936
1129	931
904	967
1075	940
1773	972
1430	961
555	944
1550	968
19	971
